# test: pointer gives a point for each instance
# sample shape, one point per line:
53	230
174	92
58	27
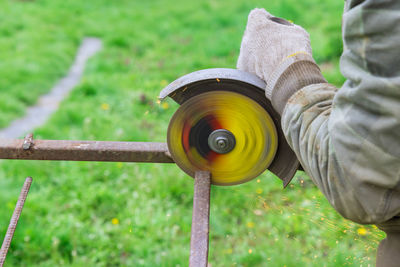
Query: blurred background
118	214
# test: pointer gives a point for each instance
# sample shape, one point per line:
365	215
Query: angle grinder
226	125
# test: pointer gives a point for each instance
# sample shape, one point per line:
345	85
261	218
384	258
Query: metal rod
85	151
200	220
14	220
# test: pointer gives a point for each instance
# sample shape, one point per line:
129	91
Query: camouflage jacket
348	139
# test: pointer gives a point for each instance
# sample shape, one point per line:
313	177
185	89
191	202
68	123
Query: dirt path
47	104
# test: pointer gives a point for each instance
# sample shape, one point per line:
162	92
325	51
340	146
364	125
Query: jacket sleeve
348	139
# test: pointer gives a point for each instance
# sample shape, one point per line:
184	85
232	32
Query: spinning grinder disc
223	132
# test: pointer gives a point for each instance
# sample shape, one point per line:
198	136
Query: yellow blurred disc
253	129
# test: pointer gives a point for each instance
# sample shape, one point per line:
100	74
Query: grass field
114	214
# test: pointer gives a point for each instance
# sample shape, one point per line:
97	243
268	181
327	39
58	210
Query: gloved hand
279	52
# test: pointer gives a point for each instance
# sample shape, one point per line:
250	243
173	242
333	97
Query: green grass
113	214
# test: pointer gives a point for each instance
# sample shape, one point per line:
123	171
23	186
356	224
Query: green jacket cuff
293	74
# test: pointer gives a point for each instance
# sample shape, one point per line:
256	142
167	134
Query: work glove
279	52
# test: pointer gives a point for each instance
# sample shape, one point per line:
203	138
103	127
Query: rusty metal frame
14	220
199	242
62	150
30	149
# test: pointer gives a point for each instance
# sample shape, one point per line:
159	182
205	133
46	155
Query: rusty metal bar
14	220
84	150
200	220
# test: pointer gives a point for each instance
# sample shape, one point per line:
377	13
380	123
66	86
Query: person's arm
347	140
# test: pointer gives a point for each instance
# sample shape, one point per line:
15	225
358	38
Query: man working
347	139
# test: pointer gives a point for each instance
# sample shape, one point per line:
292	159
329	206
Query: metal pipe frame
14	220
199	242
30	149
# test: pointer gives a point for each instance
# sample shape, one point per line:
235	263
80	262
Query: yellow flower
163	83
105	106
115	221
250	251
259	191
165	105
250	225
228	251
362	231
